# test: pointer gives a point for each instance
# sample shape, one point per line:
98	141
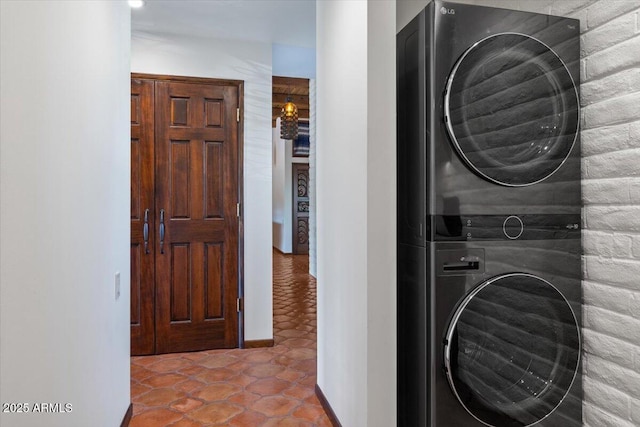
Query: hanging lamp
289	120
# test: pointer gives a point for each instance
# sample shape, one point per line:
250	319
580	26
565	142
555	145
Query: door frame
240	191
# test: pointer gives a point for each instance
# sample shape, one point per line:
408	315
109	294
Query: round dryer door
511	109
512	350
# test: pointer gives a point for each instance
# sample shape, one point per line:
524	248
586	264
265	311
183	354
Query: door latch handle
145	231
162	231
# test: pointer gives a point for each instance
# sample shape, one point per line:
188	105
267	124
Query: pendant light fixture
289	120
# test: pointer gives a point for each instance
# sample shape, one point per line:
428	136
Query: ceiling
288	22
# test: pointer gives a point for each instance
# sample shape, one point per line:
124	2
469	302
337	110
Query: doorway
291	210
186	224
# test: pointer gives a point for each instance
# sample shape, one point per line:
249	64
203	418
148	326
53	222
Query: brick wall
611	195
610	98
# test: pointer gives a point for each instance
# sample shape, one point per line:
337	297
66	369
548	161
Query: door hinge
238	210
238	115
239	306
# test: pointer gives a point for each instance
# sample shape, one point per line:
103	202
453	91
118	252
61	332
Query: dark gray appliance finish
489	273
516	356
510	142
514	346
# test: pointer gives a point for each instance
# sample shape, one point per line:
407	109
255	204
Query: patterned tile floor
253	387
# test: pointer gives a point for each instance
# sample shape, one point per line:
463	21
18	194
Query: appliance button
512	227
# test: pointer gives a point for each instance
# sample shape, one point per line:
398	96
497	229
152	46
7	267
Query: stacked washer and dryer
489	241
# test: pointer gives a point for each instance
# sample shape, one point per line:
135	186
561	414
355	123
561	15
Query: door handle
145	231
162	231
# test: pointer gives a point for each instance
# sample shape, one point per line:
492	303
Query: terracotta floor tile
323	421
159	397
241	388
244	398
303	354
287	422
269	386
215	413
308	412
299	392
293	333
163	380
155	418
217	391
258	356
240	366
263	370
215	375
248	418
185	405
185	422
243	380
143	360
193	370
290	375
138	389
275	406
169	365
218	360
189	386
308	365
299	343
139	373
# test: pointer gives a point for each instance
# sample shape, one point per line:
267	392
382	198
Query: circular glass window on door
512	350
511	109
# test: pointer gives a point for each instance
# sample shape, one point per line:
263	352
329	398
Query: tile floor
253	387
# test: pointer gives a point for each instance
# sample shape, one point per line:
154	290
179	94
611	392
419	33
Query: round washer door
512	350
511	109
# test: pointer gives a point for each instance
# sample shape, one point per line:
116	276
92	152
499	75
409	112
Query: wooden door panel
179	182
142	201
180	111
214	280
181	282
136	284
136	179
213	179
213	113
197	187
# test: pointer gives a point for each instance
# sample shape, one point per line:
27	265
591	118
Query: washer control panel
459	262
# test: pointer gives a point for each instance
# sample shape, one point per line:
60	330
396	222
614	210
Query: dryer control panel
505	227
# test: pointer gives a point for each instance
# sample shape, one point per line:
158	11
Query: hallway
252	387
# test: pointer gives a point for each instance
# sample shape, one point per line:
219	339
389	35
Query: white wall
281	233
251	62
293	61
283	191
355	158
313	253
381	214
64	210
610	95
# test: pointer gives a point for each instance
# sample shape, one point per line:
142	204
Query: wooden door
300	208
196	196
142	218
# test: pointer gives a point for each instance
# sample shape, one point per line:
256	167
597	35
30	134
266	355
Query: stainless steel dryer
489	275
